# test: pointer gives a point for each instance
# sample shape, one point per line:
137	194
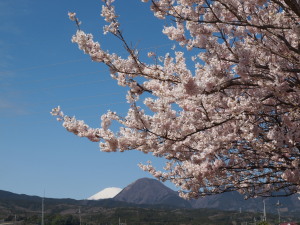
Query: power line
76	60
80	98
56	77
65	109
60	86
98	105
45	65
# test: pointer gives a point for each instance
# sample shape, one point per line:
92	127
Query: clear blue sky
39	69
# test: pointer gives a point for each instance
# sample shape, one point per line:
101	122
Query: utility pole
278	210
79	216
265	214
43	209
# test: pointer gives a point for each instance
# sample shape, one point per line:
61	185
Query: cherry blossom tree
231	121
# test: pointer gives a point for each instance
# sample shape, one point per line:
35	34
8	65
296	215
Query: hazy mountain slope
235	201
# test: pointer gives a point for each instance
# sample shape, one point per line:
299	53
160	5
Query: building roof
289	223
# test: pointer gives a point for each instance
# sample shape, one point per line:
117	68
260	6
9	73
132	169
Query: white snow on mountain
106	193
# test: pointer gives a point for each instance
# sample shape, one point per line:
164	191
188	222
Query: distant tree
231	122
64	220
263	223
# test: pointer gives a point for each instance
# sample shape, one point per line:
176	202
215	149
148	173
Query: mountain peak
150	191
106	193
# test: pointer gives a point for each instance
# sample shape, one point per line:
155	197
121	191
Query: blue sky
39	69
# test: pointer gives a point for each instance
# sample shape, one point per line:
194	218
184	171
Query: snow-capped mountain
106	193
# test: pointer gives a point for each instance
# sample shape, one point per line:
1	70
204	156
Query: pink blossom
229	118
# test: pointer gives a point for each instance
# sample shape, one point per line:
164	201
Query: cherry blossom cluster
109	14
230	122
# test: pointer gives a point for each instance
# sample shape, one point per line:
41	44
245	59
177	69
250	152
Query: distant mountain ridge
151	192
24	209
148	192
11	196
